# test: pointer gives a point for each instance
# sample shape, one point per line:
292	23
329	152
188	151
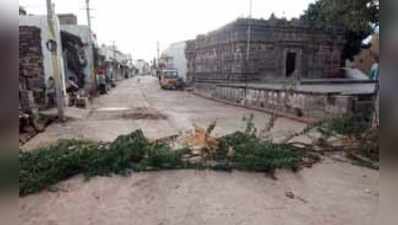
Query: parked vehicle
169	80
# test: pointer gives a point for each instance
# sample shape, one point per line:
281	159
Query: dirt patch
116	113
143	113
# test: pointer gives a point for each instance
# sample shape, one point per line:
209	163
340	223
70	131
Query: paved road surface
109	116
330	193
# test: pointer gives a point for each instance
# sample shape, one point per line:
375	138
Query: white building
176	59
118	64
142	66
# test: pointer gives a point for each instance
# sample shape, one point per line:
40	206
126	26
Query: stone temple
279	50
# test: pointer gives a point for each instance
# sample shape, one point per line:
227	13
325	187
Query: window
170	74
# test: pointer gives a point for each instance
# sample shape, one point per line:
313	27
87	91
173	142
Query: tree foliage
357	17
44	167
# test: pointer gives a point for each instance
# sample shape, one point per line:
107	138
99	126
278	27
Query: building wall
74	58
31	69
35	55
305	106
31	57
221	55
67	19
142	66
83	32
117	63
178	60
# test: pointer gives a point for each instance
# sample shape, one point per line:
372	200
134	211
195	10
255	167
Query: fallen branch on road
41	168
44	167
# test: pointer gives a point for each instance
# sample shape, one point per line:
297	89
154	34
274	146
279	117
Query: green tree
357	17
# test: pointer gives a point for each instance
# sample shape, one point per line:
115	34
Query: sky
136	25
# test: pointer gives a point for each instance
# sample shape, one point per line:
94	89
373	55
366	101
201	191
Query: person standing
101	81
72	89
374	71
375	76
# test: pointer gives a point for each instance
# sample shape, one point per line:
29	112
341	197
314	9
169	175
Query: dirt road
330	193
141	104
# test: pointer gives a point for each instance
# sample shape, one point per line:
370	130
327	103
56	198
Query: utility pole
158	51
88	9
90	46
52	45
114	60
249	32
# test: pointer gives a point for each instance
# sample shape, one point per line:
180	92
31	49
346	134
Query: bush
347	125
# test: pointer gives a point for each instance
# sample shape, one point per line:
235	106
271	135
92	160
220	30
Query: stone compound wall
221	55
36	61
31	69
304	106
30	56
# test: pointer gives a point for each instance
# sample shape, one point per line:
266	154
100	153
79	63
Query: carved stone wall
222	56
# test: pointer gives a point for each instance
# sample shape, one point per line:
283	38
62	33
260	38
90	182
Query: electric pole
53	47
114	59
91	46
249	31
158	51
88	9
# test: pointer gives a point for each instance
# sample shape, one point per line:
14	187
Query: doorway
290	63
